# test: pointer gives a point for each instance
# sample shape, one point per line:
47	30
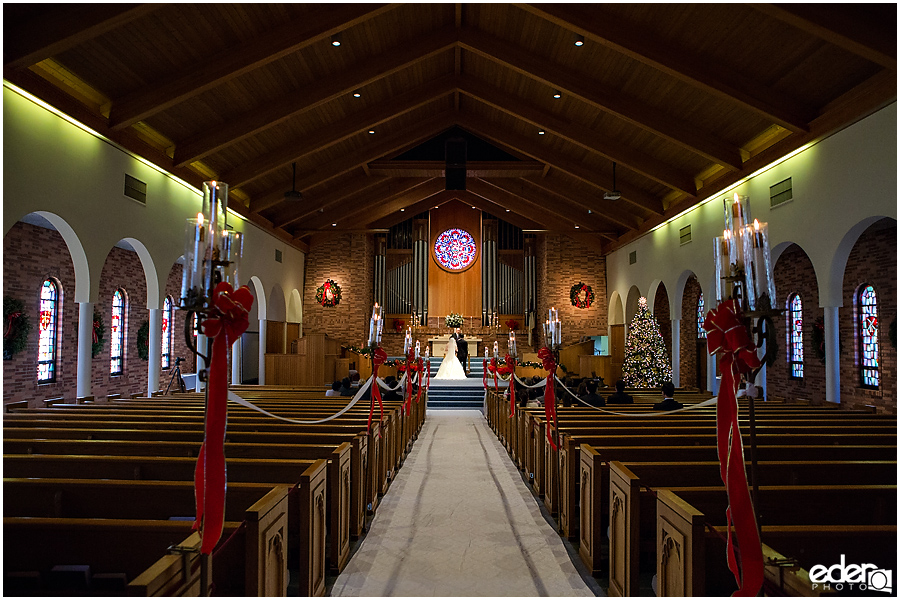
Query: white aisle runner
459	521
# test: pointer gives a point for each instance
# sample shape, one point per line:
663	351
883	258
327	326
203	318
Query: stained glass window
795	335
455	249
701	333
167	336
868	336
46	370
117	336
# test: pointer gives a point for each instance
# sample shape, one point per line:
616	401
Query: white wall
55	166
840	186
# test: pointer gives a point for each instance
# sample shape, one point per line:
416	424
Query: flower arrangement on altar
16	327
512	324
329	293
453	320
399	324
581	295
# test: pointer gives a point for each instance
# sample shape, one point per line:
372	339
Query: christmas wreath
97	335
329	293
581	295
143	341
16	327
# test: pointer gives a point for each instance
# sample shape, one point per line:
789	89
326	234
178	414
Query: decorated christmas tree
646	358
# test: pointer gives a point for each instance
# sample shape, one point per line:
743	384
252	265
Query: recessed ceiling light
557	95
435	206
336	40
334	224
589	211
402	210
357	94
541	132
577	227
371	132
507	210
579	40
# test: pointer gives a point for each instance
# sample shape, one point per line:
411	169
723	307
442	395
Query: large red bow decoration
378	359
412	368
10	319
549	363
493	369
727	333
227	321
94	329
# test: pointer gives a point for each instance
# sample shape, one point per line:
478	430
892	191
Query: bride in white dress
450	365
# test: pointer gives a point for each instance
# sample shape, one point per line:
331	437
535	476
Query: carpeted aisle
459	521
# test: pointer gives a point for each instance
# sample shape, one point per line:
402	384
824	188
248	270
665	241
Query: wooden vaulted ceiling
681	99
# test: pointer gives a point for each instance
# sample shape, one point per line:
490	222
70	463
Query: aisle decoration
581	295
329	293
16	327
549	364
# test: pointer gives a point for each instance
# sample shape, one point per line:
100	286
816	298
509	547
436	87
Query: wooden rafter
59	27
571	132
304	208
259	119
377	149
630	195
267	47
606	28
436	168
416	202
333	134
635	112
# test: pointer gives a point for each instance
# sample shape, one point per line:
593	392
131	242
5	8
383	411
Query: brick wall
873	260
693	364
30	255
794	274
561	263
663	317
179	346
349	260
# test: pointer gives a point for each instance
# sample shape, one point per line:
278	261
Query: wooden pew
691	560
306	518
814	501
262	509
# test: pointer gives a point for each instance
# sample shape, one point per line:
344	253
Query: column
676	352
155	350
712	384
85	341
236	362
262	352
202	348
832	355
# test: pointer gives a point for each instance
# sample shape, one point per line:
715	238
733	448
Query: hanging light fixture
336	40
579	40
613	194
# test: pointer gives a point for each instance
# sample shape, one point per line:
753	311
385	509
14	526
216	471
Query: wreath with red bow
96	334
581	295
329	293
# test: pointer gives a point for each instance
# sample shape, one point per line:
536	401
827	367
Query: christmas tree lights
646	357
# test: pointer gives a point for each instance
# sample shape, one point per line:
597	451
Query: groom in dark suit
462	349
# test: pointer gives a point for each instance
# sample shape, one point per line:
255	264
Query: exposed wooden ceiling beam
867	30
684	134
630	195
495	208
259	119
363	207
425	129
334	133
550	216
606	28
553	189
436	168
389	214
558	203
212	71
58	27
578	135
304	208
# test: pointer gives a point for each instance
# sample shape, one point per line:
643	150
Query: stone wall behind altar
561	263
348	259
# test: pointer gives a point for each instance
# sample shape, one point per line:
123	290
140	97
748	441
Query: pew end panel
266	560
312	520
624	544
680	547
339	522
591	528
175	574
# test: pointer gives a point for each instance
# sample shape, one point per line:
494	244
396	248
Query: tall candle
496	350
417	349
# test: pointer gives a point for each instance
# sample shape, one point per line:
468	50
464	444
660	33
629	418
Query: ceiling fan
293	195
614	194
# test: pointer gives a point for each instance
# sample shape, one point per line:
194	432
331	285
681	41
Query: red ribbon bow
227	321
9	323
727	333
94	331
378	359
549	363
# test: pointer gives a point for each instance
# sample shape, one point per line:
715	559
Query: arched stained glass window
701	316
117	336
167	334
795	335
868	336
46	369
